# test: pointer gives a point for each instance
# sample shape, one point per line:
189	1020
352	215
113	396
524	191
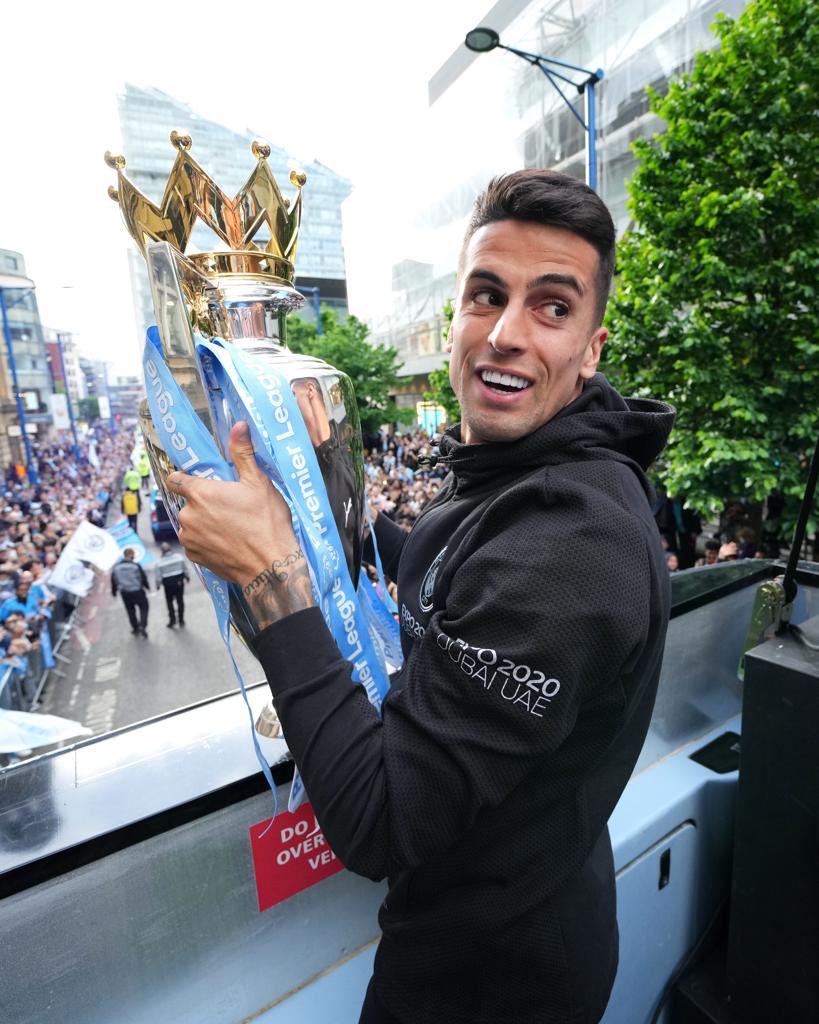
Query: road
114	679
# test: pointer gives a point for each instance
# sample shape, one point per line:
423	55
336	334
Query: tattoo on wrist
279	591
278	571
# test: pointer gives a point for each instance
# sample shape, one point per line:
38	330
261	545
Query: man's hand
243	532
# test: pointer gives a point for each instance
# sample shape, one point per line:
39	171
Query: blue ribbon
191	448
242	386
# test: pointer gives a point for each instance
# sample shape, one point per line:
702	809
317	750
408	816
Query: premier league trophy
241	295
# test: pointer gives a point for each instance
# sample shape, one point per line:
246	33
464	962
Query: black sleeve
391	538
520	620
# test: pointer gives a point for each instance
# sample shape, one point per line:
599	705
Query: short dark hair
557	200
712	545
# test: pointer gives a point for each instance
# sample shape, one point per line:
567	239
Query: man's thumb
240	449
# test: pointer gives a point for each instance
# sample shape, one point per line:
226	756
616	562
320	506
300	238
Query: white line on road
107	670
100	714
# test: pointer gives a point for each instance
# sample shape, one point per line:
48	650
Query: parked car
160	523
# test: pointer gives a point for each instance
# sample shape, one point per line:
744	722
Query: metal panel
169	930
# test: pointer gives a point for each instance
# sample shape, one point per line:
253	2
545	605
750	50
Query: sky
345	84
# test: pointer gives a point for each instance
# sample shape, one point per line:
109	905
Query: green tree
440	388
89	408
442	394
372	370
715	306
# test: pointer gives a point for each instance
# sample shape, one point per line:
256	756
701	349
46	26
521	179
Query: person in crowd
534	599
710	553
132	479
172	573
24	602
131	504
128	577
672	561
144	467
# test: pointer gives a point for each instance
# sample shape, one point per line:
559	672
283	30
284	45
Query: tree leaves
372	370
715	308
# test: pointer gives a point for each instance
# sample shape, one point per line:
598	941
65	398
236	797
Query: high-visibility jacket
130	503
132	480
144	465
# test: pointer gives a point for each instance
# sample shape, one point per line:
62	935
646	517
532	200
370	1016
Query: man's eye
555	309
485	297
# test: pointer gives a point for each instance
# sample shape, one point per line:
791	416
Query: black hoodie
534	598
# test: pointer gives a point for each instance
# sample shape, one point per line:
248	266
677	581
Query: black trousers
133	600
175	592
372	1012
132	522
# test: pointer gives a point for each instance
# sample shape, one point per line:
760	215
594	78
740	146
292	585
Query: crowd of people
39	512
403	476
400	478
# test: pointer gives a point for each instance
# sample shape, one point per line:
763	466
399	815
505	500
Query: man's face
525	310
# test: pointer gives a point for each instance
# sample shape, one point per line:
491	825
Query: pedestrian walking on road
131	504
172	572
144	467
131	479
128	578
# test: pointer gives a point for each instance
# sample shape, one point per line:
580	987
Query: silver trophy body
251	315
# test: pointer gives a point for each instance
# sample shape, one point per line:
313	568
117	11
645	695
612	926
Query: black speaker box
773	941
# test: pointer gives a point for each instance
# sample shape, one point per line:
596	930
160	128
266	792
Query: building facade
147	117
31	363
125	394
493	112
73	381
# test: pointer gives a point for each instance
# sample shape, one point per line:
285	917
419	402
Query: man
172	572
144	467
128	577
533	599
131	504
711	553
131	480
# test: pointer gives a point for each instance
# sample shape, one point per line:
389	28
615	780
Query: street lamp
12	282
482	40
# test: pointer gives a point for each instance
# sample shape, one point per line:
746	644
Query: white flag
93	458
91	544
70	574
25	730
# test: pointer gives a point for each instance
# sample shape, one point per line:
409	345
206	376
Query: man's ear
448	339
594	350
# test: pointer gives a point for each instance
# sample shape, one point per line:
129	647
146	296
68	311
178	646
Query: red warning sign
291	855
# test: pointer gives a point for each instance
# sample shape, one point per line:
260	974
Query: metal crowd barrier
21	689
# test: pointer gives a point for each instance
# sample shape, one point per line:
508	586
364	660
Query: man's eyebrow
568	279
486	275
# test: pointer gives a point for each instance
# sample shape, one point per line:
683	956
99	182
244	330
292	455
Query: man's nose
509	333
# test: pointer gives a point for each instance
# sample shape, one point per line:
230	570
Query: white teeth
507	379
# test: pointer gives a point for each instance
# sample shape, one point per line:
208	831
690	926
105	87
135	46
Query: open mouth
504	383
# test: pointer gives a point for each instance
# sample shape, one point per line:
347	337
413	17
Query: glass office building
147	117
493	112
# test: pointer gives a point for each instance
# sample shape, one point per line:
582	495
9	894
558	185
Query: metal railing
23	679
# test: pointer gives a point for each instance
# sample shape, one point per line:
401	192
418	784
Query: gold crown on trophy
192	196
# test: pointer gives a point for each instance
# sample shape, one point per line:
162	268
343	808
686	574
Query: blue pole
591	135
21	412
68	397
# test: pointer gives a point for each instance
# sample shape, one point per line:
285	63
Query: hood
598	424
